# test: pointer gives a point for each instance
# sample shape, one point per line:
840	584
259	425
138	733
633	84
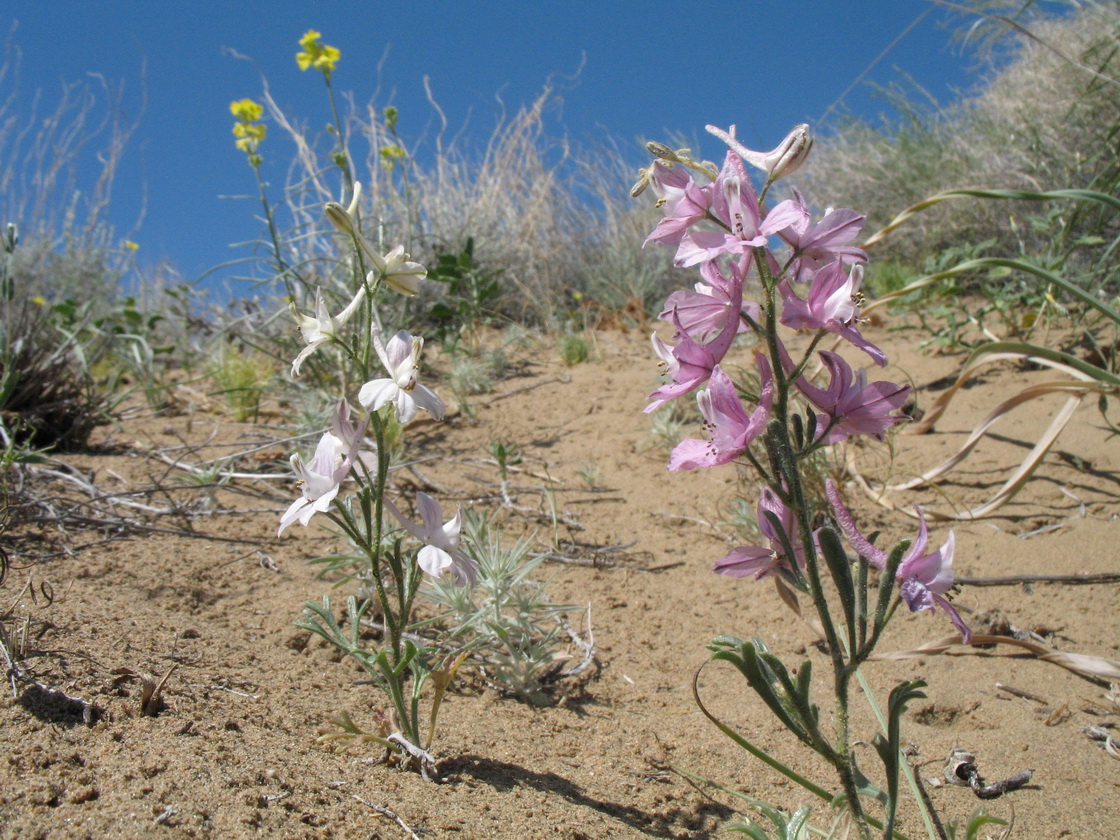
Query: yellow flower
390	155
249	136
320	56
246	110
249	133
38	301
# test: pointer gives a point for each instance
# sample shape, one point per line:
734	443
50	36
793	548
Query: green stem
347	176
778	438
274	235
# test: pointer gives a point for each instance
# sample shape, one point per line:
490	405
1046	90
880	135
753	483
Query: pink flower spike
441	552
730	427
746	560
925	579
852	406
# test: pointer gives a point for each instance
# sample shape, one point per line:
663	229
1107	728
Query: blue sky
648	70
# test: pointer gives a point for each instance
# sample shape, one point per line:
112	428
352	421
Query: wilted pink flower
784	159
401	358
442	539
851	406
924	579
735	205
730	427
396	268
832	305
351	436
746	560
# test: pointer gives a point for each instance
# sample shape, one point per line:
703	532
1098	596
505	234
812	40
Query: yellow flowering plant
249	130
315	54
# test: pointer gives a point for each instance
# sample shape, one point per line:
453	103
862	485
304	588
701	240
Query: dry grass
1046	117
554	219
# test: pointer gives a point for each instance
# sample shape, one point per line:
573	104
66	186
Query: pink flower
685	203
925	579
441	552
690	363
321	328
816	244
832	305
851	406
730	427
746	560
735	205
702	312
319	481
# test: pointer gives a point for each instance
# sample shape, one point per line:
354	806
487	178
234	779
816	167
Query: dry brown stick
385	812
1019	692
1102	577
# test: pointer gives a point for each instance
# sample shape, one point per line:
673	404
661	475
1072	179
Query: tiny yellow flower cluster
390	155
248	129
315	54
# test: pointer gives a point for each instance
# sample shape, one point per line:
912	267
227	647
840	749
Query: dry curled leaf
1091	667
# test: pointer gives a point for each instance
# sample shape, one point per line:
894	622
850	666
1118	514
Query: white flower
441	551
395	268
320	480
321	328
401	359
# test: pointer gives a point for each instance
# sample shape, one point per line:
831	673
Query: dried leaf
1091	667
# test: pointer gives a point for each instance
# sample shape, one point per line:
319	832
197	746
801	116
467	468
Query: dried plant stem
385	812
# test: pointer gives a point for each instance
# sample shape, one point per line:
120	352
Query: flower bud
660	150
343	217
791	152
339	217
785	159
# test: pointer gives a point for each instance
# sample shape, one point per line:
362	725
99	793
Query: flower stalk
391	394
718	223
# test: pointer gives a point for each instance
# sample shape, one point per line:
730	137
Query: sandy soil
231	751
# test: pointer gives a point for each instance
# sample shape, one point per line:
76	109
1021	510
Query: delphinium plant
775	419
398	663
